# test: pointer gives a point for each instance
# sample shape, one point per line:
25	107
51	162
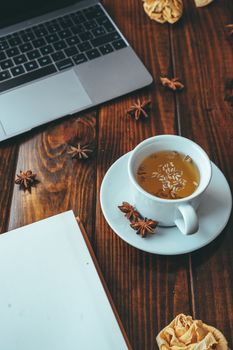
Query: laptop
58	57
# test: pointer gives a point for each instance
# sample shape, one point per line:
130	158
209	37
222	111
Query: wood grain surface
148	290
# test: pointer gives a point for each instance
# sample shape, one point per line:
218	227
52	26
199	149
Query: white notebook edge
81	245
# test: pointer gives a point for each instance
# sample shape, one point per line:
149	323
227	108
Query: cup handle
188	223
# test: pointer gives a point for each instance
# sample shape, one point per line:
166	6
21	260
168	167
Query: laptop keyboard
56	45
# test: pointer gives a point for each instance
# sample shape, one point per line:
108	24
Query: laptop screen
13	11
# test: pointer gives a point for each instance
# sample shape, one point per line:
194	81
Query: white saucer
213	213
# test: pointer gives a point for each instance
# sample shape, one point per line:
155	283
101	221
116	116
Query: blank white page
51	297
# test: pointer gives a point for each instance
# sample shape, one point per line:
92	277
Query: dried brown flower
144	226
26	180
139	109
229	28
79	151
164	10
130	212
173	84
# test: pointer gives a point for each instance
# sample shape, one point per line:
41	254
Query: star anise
130	212
26	180
173	84
229	28
144	226
139	109
79	151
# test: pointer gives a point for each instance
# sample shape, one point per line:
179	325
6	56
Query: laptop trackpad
42	101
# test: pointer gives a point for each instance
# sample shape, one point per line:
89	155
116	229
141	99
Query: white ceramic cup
170	212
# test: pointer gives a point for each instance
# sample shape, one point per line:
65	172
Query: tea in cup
168	176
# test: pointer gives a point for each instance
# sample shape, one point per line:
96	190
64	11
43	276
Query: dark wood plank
202	55
64	183
148	290
8	162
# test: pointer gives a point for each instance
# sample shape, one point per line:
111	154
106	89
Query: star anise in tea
79	151
130	212
143	227
139	109
26	180
173	84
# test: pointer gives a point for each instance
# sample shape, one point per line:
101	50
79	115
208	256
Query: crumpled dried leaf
188	334
164	10
229	28
202	3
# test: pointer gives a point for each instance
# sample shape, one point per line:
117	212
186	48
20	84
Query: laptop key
31	66
45	50
3	45
44	61
39	43
64	33
14	51
28	36
65	22
52	38
71	51
78	18
67	63
105	39
105	49
91	54
77	29
15	41
26	47
57	56
109	27
53	28
119	44
85	36
103	20
59	45
84	46
20	59
25	78
6	64
40	32
2	56
17	71
33	54
4	75
72	40
78	59
98	31
90	24
93	12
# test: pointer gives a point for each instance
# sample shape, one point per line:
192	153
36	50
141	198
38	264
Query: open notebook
51	296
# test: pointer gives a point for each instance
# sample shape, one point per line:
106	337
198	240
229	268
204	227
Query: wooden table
148	290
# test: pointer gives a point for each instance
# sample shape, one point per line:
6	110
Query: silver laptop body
70	90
